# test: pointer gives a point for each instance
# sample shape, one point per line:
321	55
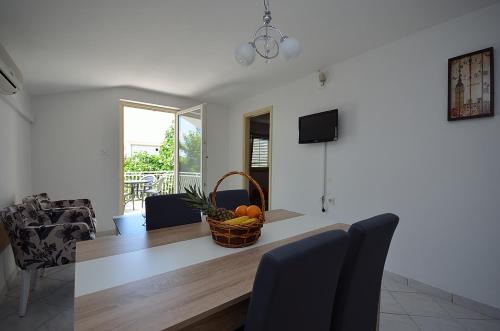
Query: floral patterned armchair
42	201
41	240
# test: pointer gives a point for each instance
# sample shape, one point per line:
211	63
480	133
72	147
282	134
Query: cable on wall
323	197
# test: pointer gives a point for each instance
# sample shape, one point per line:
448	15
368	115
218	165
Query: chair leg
132	193
34	279
117	231
25	290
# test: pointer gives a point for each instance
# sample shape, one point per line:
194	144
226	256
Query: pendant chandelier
268	42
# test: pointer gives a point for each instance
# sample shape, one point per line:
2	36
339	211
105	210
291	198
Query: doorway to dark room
258	152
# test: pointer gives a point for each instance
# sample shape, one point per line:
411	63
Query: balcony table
176	278
134	188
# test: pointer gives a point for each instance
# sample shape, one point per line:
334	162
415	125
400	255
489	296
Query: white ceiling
185	47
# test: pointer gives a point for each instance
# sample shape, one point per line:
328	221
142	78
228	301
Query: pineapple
197	199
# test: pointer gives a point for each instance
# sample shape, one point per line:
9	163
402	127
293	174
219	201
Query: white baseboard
428	289
480	307
395	277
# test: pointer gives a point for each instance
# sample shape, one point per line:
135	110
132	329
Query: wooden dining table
177	278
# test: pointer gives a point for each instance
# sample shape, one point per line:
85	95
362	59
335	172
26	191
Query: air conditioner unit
11	79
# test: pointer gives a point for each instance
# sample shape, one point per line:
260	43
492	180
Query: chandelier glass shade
268	42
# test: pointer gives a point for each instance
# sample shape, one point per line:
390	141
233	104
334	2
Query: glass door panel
190	148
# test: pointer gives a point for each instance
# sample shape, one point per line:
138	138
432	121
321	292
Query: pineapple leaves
196	198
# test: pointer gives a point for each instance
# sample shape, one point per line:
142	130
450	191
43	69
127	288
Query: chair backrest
39	201
22	215
43	201
9	219
32	201
295	284
358	292
42	196
169	210
150	180
230	199
160	184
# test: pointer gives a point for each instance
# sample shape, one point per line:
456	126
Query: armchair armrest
49	245
53	233
71	216
73	203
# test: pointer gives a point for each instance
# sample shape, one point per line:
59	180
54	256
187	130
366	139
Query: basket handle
253	181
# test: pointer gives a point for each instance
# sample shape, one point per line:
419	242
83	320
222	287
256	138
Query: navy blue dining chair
164	211
230	199
358	293
295	284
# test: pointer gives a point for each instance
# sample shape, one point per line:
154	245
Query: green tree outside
142	161
190	152
189	159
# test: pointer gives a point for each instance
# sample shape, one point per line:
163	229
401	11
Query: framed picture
471	85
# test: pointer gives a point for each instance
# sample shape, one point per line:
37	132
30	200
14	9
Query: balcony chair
148	185
156	189
42	240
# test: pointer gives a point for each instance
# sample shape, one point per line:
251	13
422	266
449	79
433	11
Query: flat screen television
319	127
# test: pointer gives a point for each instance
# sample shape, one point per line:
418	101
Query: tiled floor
405	308
134	208
402	308
50	306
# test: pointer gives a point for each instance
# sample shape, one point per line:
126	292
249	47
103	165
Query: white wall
15	163
218	139
397	153
76	144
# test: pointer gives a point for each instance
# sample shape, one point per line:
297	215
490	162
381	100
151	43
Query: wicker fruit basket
241	235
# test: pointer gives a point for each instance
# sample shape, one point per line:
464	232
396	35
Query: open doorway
162	151
258	152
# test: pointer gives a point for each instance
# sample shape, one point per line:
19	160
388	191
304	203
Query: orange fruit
241	211
253	211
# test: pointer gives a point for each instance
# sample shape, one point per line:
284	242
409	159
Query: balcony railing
161	181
